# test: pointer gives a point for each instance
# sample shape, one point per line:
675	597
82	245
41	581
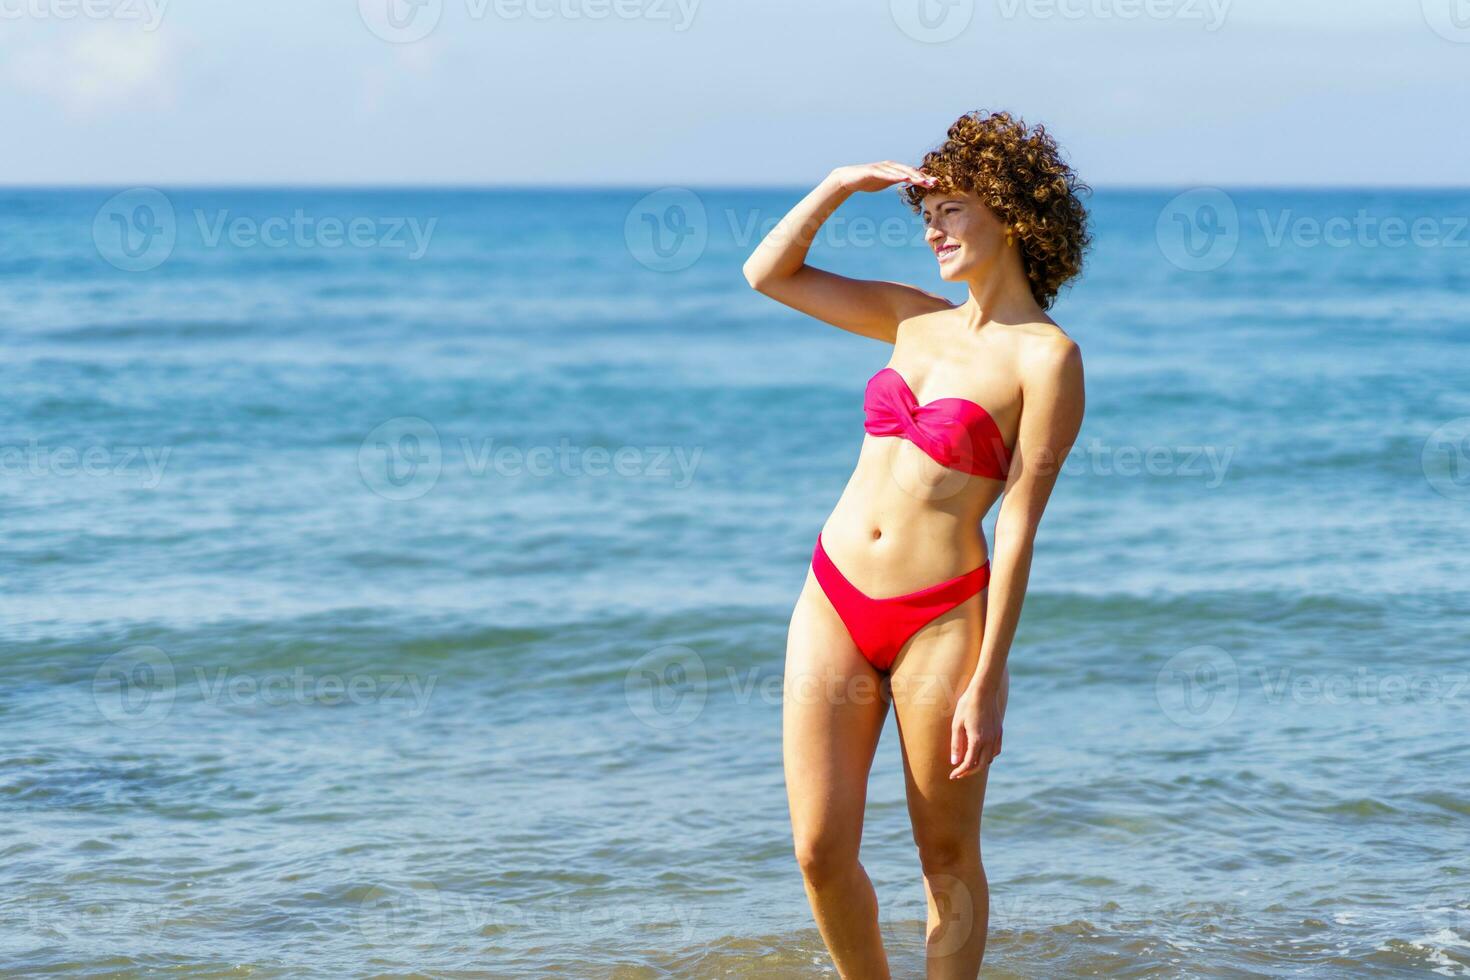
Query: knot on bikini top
954	432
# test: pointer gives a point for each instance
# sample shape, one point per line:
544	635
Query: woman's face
967	237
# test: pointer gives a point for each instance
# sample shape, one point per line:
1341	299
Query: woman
901	602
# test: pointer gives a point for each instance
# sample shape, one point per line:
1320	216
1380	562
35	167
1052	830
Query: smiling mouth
946	251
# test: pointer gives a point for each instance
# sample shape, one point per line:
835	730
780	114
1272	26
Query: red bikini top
956	432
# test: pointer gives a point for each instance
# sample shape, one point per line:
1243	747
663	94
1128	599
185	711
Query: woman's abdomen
905	522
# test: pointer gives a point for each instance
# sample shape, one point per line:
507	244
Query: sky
725	92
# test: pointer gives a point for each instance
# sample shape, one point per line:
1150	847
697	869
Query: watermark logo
1445	459
1199	230
956	907
401	459
136	230
1198	688
921	476
401	21
667	231
401	917
903	922
135	688
932	21
1450	19
666	688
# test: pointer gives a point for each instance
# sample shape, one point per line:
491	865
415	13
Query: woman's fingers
903	172
872	176
911	176
961	751
972	749
977	753
914	175
980	756
966	766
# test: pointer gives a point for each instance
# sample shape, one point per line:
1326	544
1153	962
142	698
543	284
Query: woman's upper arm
872	308
1053	400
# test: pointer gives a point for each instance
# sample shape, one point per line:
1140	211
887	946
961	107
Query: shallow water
372	614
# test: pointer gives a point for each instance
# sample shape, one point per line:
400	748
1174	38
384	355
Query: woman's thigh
928	678
834	704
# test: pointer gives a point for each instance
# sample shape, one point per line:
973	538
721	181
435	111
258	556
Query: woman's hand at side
975	733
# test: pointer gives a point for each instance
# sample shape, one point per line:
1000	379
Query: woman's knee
825	857
941	853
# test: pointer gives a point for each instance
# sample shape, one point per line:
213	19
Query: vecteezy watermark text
302	230
1210	13
144	465
406	915
1361	685
409	21
668	687
139	229
403	458
148	12
1201	230
1202	686
137	688
1099	459
938	21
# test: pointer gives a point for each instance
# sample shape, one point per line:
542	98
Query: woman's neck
1002	294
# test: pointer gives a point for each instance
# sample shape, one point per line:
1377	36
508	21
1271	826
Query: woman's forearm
1010	571
783	251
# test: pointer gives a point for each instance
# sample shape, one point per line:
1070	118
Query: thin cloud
104	68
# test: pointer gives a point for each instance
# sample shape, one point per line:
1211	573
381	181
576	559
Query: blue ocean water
396	582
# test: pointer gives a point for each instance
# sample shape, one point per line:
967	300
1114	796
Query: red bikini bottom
880	627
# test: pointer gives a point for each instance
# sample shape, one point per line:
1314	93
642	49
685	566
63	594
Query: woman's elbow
756	274
752	275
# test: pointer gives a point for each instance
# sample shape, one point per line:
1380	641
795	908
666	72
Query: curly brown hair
1019	173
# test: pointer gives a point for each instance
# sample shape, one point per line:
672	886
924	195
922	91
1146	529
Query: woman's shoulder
1044	340
1047	355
